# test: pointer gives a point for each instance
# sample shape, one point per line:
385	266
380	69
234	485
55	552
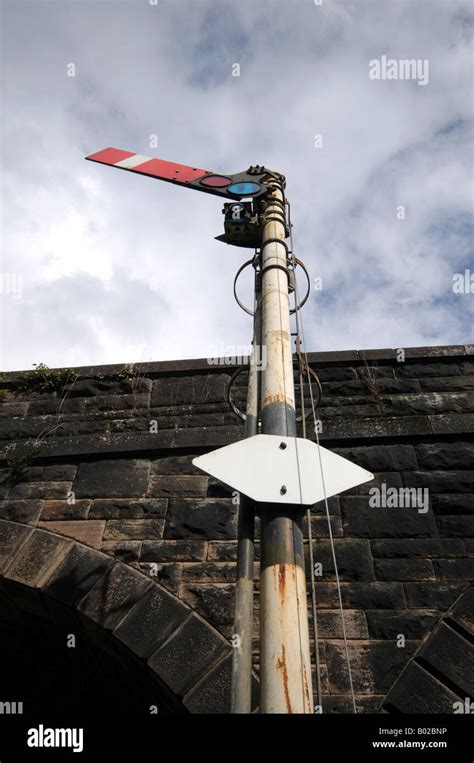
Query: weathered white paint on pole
277	387
284	652
285	673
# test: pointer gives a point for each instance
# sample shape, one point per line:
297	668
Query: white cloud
121	268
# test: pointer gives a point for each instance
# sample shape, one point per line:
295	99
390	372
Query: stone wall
106	461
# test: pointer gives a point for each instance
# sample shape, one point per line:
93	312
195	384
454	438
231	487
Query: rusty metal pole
241	692
285	674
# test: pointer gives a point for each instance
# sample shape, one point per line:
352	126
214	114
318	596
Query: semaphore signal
278	474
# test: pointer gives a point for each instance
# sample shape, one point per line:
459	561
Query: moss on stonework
127	372
44	379
17	465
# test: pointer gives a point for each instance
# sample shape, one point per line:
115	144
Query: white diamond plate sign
273	469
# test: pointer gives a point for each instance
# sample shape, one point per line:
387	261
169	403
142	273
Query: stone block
212	693
153	619
333	416
424	370
404	569
114	595
89	532
188	655
55	406
446	455
178	418
167	574
126	423
190	390
117	402
10	410
209	572
381	458
11	537
39	490
433	594
174	465
330	624
419	692
353	557
353	388
362	520
443	351
445	424
333	506
223	551
447	384
320	529
428	402
120	508
454	481
188	550
454	569
54	510
456	526
79	571
22	511
217	489
418	548
211	519
375	665
177	486
412	623
37	559
452	656
50	473
336	374
316	359
372	595
123	550
456	503
390	479
215	602
112	478
133	529
97	387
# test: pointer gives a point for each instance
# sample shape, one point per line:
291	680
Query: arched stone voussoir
183	652
440	676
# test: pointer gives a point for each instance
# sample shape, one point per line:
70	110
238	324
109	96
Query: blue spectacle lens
244	189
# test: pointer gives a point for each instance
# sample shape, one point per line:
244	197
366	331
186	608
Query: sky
100	266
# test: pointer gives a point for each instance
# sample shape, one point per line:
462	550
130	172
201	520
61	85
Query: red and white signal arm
248	184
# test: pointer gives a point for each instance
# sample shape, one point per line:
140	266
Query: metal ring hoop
243	416
308	285
240	304
295	309
236	410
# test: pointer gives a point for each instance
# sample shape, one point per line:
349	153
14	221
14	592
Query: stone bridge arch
82	463
49	578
